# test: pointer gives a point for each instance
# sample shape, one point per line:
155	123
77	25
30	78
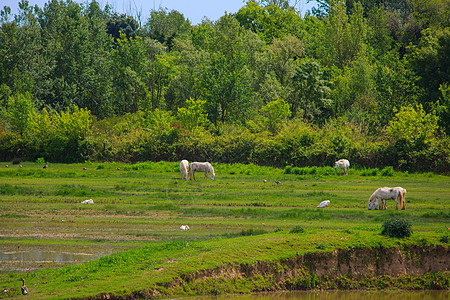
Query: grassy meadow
138	209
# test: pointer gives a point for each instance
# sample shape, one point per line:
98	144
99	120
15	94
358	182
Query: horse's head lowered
211	172
373	203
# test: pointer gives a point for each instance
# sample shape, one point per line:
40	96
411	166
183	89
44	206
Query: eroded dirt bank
410	267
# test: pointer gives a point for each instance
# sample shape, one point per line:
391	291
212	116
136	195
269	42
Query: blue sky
194	10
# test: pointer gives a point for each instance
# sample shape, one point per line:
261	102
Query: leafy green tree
379	36
275	112
277	68
59	136
117	23
192	116
130	66
283	57
76	44
311	92
430	13
414	126
354	90
344	36
395	85
22	63
270	19
40	130
157	67
190	63
165	26
227	80
16	112
443	108
159	120
430	60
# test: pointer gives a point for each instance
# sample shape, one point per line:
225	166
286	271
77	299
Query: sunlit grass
235	218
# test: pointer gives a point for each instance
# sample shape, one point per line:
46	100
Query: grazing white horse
401	198
201	167
184	166
343	165
378	199
324	204
184	227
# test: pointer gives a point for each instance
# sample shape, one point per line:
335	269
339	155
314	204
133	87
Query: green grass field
236	218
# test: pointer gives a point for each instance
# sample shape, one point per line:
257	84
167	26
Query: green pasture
236	218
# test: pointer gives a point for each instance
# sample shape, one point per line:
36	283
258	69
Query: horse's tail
402	199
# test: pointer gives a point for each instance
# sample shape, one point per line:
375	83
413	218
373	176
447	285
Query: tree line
256	72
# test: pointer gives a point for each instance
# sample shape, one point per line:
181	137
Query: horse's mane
374	194
212	169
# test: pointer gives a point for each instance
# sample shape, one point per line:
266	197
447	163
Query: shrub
288	170
320	246
388	171
369	172
297	229
244	232
396	227
444	239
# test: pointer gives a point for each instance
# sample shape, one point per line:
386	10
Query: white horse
324	204
378	199
401	198
343	165
185	227
201	167
184	166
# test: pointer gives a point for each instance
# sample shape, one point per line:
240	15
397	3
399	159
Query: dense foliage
396	227
365	80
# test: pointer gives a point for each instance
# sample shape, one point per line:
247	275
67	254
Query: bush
369	172
396	227
297	229
444	239
247	232
388	171
288	170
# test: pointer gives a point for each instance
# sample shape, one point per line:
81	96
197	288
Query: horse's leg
206	174
396	200
383	204
404	202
